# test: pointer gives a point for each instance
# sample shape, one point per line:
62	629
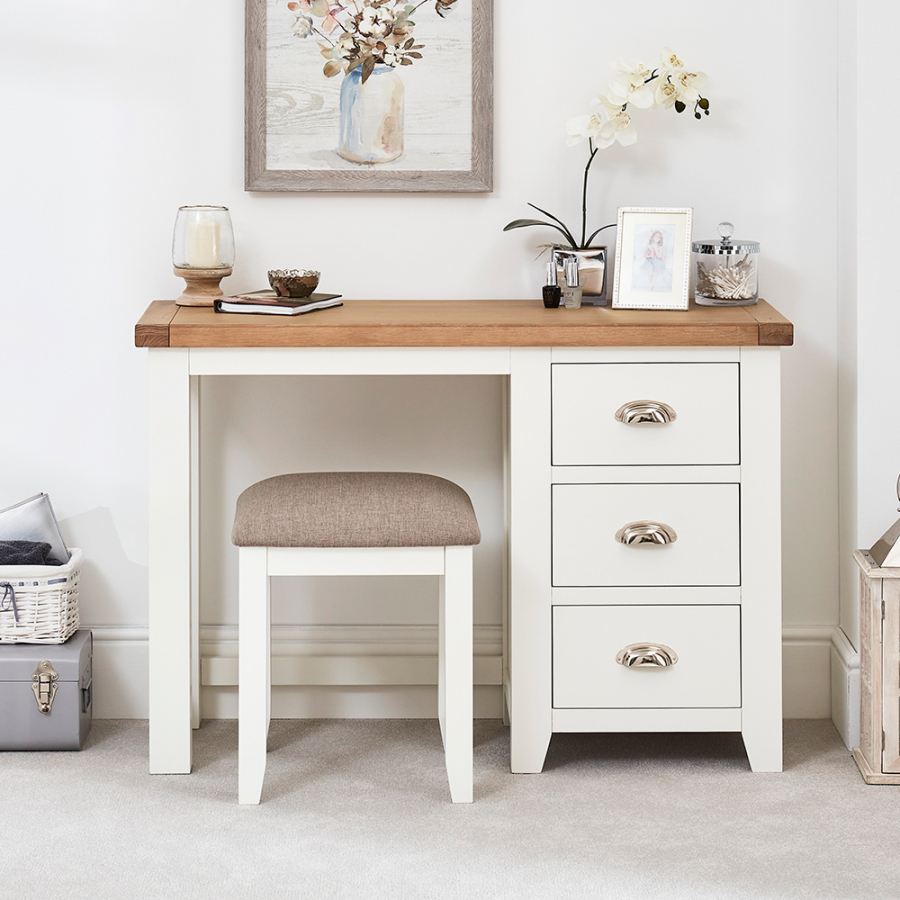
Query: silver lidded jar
726	272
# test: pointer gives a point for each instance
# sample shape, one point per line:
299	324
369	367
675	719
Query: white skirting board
806	671
845	688
120	671
395	653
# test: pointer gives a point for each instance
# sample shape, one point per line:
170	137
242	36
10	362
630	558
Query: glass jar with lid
726	272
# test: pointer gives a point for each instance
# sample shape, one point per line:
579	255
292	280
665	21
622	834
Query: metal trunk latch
44	685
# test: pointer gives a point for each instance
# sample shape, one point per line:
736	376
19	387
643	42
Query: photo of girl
652	269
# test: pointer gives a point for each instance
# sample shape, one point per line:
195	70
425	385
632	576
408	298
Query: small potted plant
669	85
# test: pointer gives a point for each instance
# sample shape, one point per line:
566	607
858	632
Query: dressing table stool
355	523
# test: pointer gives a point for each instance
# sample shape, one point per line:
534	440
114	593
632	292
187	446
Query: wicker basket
45	602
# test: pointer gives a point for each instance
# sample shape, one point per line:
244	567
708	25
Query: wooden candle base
201	285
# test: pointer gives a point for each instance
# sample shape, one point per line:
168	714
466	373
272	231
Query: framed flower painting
368	95
653	257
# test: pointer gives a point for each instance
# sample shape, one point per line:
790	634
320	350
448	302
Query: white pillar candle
203	244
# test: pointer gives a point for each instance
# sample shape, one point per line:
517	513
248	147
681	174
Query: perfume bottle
552	292
572	293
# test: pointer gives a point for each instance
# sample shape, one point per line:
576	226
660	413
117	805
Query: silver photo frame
653	258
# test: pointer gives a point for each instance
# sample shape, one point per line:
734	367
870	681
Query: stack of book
269	303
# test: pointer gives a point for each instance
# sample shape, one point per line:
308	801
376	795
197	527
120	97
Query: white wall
114	115
877	310
869	322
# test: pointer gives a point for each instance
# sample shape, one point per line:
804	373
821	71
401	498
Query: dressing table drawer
600	418
681	534
696	663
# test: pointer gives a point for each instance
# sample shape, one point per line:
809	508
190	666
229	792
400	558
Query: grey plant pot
591	271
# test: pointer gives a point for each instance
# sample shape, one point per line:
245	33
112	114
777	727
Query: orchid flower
666	93
581	127
687	85
669	59
617	128
633	84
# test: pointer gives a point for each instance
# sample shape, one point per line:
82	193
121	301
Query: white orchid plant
669	85
362	33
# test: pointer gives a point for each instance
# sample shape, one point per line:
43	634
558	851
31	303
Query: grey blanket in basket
27	553
33	520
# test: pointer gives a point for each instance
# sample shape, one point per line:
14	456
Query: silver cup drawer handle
643	532
646	655
645	412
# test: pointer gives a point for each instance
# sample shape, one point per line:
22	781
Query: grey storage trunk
66	721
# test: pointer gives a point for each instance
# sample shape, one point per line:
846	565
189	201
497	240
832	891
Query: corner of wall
844	659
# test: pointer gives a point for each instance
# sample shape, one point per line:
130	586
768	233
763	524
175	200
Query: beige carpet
359	809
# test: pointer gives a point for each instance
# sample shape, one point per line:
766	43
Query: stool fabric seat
355	509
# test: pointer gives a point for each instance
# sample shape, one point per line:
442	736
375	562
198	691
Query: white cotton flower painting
383	90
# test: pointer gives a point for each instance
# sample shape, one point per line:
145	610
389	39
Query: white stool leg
268	583
455	670
442	655
253	671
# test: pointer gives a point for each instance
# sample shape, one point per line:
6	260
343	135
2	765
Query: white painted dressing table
689	600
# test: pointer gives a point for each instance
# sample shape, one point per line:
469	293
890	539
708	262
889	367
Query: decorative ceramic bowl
293	282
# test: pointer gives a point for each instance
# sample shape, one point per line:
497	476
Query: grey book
270	303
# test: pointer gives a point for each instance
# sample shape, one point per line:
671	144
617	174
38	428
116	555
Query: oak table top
465	323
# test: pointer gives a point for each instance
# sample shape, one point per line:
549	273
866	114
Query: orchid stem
587	169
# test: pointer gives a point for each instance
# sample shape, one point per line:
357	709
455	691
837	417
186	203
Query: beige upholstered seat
355	523
355	509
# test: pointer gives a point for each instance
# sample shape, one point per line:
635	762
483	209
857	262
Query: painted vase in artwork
371	116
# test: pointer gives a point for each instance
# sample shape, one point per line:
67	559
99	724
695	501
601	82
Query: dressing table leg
530	698
761	657
195	551
169	426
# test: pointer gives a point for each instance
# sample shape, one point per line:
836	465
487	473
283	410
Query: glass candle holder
202	252
203	238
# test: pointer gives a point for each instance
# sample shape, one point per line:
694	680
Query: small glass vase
371	116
